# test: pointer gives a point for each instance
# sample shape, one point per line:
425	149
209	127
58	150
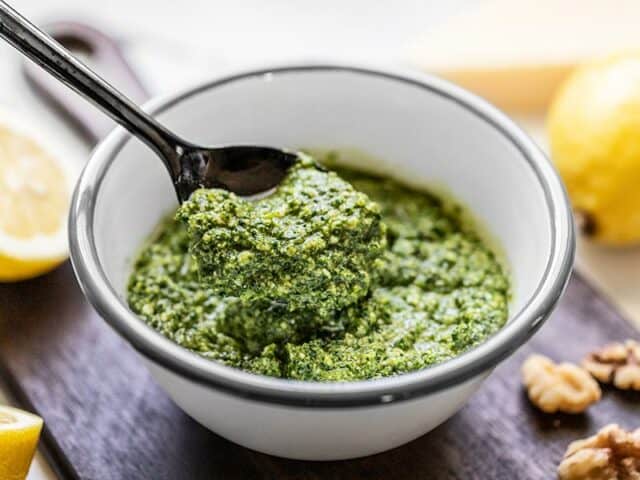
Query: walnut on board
617	364
563	387
611	454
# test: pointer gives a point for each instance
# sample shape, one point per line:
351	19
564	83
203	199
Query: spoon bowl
244	170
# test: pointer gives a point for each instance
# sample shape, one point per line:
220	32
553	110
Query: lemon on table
19	434
36	179
594	133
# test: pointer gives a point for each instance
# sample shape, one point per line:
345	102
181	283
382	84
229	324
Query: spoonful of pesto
310	247
245	170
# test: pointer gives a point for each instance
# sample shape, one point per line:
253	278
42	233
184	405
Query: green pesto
424	290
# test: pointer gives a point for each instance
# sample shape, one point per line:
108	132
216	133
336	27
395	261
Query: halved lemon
19	434
36	179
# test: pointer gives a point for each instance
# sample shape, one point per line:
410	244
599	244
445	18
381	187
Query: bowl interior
415	133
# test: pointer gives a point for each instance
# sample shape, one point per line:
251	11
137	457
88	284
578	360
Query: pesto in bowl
334	277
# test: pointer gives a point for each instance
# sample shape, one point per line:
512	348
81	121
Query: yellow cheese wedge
516	53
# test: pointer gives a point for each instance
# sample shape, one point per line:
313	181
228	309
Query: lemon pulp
19	434
34	200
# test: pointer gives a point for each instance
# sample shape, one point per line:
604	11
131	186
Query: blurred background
515	53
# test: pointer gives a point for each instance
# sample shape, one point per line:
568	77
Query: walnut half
611	454
617	363
558	387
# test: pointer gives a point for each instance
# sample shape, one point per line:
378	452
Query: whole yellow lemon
594	130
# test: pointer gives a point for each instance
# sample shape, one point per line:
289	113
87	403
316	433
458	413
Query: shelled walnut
558	387
611	454
616	363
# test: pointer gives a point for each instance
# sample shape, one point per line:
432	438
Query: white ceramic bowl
425	131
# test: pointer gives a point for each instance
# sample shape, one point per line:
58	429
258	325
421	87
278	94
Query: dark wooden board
107	419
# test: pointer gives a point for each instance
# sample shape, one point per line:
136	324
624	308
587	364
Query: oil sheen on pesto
334	277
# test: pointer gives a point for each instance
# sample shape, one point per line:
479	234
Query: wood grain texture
107	419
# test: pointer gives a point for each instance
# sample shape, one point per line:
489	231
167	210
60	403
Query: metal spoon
245	170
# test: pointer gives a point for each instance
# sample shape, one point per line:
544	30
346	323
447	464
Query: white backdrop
178	42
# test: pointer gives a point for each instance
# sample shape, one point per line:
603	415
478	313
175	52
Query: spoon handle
99	49
59	62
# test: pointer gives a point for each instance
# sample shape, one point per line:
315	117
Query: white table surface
175	43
